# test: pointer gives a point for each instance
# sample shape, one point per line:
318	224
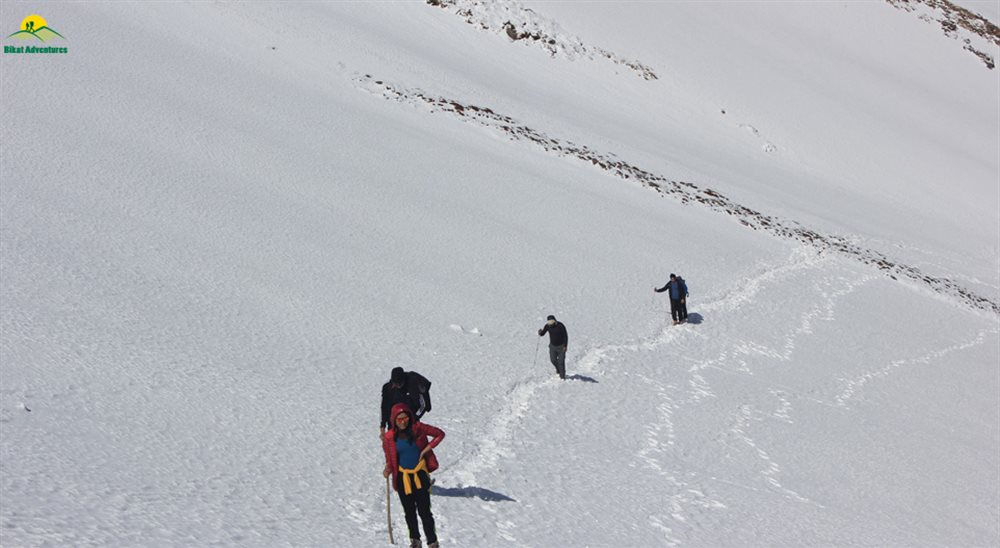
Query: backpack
419	389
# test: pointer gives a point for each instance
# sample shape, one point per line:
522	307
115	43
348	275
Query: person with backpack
678	298
558	343
410	388
410	459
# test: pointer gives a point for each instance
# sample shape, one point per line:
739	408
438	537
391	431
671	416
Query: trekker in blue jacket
678	298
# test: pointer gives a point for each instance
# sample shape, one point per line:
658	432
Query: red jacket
420	432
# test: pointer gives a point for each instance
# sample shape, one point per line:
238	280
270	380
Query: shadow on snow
581	378
471	493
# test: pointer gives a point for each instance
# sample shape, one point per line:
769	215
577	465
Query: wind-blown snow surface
221	225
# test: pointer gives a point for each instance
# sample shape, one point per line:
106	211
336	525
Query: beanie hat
551	317
398	376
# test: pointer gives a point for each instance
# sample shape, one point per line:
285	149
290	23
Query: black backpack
419	389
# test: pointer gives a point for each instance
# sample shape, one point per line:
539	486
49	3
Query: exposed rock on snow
519	23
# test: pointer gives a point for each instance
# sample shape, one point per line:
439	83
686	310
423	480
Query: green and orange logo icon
34	27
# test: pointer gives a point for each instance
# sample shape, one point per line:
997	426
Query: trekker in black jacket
558	343
410	388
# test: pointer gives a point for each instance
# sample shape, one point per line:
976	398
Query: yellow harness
416	477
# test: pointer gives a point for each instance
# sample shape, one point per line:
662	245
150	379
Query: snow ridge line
496	442
684	191
771	469
822	310
687	500
852	386
519	23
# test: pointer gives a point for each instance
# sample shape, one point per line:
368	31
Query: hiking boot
415	543
433	545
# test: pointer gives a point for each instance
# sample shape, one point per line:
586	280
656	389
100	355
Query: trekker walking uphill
558	344
410	460
678	298
410	388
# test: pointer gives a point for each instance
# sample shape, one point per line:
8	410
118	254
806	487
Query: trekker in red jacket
410	460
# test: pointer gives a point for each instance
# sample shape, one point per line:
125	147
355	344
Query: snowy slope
221	225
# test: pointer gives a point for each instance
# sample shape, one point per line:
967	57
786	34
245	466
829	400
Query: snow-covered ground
222	224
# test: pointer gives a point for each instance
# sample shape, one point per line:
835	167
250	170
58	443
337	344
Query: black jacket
557	334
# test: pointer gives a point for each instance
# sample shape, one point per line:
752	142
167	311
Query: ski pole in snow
388	510
535	361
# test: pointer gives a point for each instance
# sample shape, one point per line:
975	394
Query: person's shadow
471	493
695	318
581	378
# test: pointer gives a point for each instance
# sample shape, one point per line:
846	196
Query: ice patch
459	329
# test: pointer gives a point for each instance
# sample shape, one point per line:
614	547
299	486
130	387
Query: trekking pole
388	510
535	361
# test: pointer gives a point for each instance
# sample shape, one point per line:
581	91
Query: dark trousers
679	310
557	355
418	502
